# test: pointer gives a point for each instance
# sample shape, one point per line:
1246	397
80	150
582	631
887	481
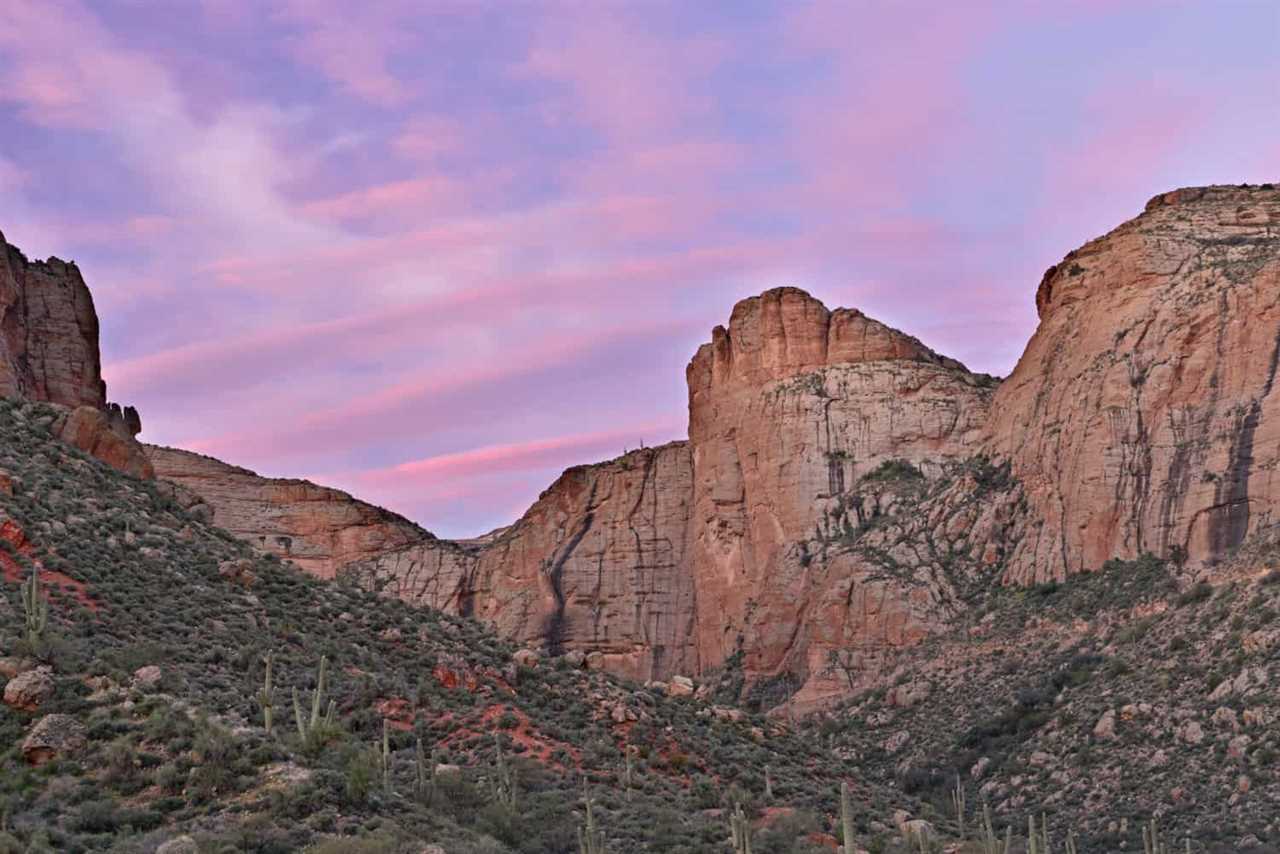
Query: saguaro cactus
384	759
311	729
740	830
36	610
958	804
264	696
628	769
425	780
991	843
503	783
846	818
590	838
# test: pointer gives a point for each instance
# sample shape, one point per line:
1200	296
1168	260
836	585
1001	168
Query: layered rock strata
318	528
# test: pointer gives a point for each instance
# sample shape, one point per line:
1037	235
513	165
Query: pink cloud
626	81
418	196
427	138
354	45
514	457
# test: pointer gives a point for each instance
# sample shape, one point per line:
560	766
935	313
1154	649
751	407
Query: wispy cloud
394	241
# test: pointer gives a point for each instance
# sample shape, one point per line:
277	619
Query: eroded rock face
48	332
318	528
596	564
106	435
1144	414
49	353
788	408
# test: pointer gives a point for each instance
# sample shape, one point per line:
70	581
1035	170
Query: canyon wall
49	353
791	409
318	528
1144	414
597	564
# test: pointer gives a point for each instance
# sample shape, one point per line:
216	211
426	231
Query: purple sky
435	258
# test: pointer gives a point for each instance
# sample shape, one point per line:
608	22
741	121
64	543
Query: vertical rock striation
596	564
791	408
1144	414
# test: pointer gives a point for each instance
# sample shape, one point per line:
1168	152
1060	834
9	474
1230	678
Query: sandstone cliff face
790	409
1143	416
318	528
49	353
48	333
596	564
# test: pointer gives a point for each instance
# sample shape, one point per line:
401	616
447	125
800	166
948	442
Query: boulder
680	686
54	737
525	658
147	678
179	845
29	690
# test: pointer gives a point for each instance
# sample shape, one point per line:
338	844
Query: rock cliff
319	529
1143	416
596	564
791	409
49	353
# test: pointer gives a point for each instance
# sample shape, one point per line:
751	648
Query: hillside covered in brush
152	667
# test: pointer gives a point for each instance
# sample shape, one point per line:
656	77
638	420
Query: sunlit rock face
1144	414
319	529
49	353
790	408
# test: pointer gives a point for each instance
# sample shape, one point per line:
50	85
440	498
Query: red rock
1143	416
319	529
49	353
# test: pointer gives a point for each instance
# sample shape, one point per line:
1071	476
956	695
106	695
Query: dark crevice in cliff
553	631
1229	523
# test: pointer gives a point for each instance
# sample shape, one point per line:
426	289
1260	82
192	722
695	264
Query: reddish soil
536	746
14	573
397	712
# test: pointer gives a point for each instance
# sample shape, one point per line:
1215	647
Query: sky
433	253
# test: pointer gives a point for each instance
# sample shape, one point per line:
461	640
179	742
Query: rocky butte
49	353
844	491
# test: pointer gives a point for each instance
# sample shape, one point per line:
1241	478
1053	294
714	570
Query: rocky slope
136	720
49	352
1143	416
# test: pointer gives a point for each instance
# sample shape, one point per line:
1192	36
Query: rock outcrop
1144	415
49	353
318	528
675	559
790	409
